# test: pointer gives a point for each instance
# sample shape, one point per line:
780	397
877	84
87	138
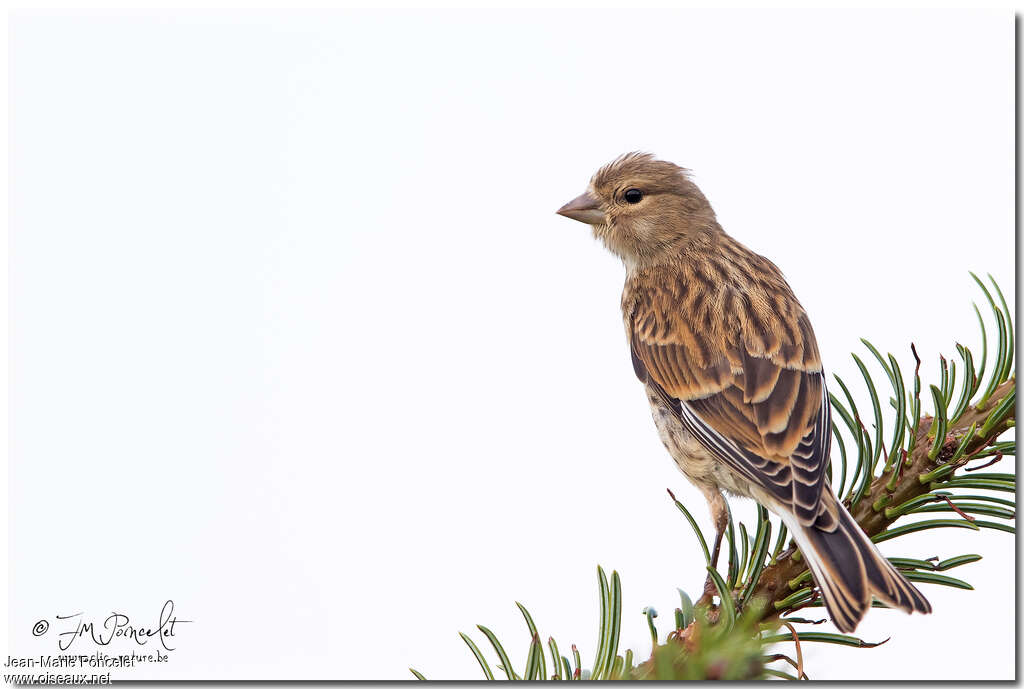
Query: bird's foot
710	591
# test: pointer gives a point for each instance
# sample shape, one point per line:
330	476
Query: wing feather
747	383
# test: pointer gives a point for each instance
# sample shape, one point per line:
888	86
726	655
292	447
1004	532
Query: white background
298	341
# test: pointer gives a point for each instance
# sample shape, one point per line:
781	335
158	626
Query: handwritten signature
119	626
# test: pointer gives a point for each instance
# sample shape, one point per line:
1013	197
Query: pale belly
696	463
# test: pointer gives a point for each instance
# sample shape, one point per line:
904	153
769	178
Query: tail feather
849	570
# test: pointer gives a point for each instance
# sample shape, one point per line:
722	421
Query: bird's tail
848	569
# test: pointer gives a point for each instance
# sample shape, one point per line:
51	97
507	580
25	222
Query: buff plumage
732	373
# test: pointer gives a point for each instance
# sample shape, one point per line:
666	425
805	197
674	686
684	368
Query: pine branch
763	581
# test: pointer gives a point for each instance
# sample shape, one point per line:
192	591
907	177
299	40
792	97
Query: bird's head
642	208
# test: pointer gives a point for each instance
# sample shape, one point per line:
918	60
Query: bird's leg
720	516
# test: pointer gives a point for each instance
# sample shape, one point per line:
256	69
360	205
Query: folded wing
741	369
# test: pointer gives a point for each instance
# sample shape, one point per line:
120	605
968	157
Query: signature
118	626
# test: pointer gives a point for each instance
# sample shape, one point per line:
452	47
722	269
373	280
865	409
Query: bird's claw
710	591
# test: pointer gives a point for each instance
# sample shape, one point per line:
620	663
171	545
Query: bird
732	373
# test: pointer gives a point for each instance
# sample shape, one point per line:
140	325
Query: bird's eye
633	195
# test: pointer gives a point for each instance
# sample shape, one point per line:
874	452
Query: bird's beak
584	208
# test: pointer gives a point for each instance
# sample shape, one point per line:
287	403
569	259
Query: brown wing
741	368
